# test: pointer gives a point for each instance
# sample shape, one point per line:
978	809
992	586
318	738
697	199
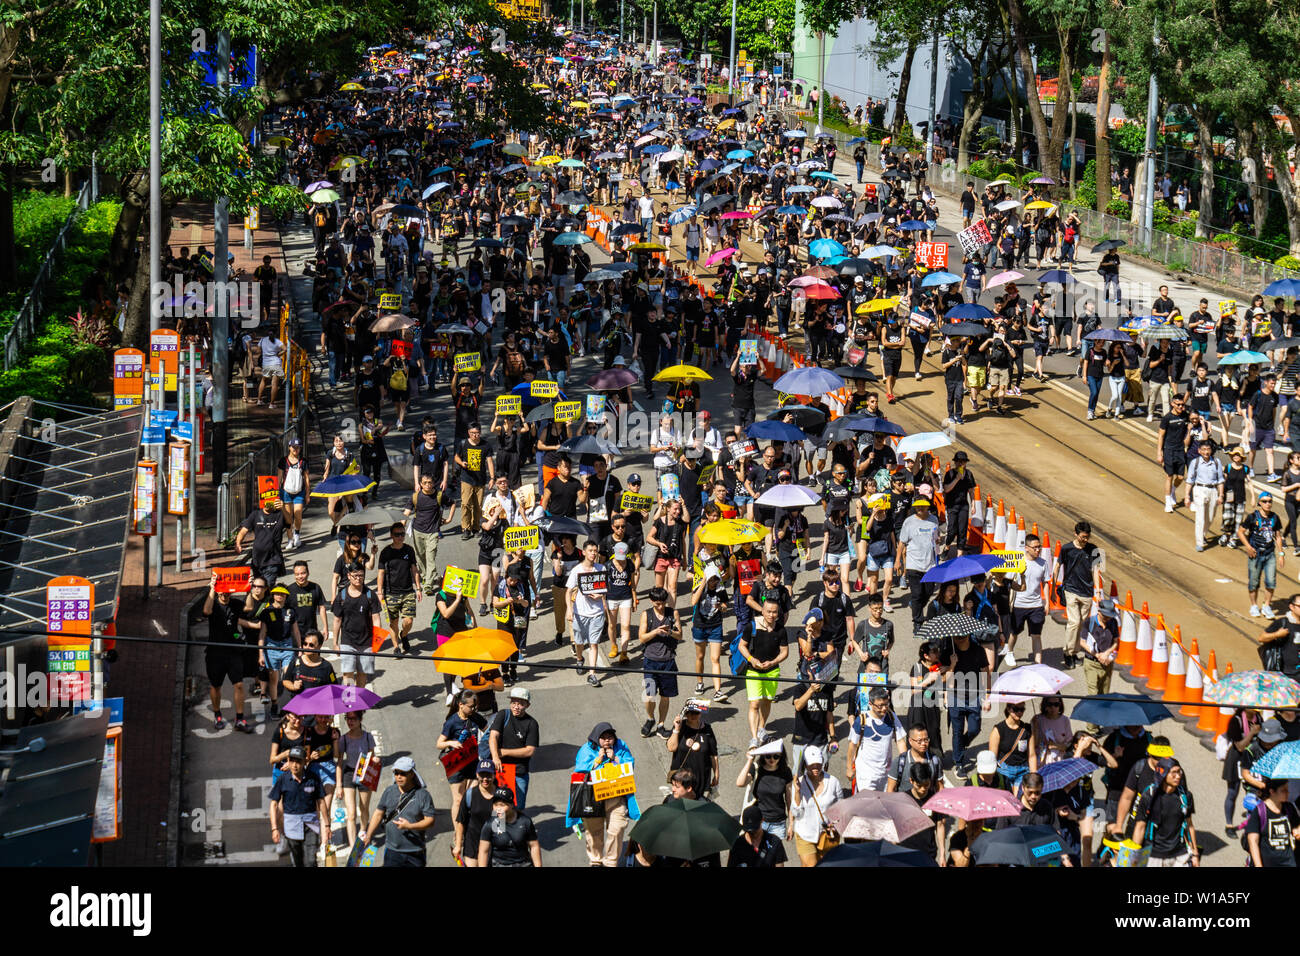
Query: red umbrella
821	291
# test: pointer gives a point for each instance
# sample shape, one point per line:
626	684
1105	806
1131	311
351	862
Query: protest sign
523	538
593	584
469	362
975	238
543	388
933	255
749	351
459	581
568	411
233	580
631	501
390	301
613	780
268	488
595	407
1013	562
509	404
669	487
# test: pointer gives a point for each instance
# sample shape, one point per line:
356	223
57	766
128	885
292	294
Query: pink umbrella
739	214
974	803
1002	277
803	282
1032	680
871	815
720	255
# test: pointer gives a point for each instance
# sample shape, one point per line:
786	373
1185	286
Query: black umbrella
542	413
856	267
685	829
717	202
1282	344
1107	244
895	174
953	625
589	445
807	418
516	221
572	197
875	853
856	372
1026	845
959	329
555	525
486	244
627	229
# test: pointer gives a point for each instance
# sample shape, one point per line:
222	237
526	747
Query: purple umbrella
319	184
612	378
1043	181
332	699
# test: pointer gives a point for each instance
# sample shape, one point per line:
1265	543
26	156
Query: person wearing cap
1141	774
266	525
603	834
815	791
472	812
918	548
876	737
1270	734
1165	819
1238	492
1261	535
958	487
297	810
710	602
278	644
1100	647
508	838
755	847
513	738
406	813
295	485
694	747
356	612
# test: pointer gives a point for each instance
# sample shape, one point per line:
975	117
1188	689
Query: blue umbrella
729	168
795	190
440	170
966	566
794	134
1109	335
824	249
882	426
792	211
679	216
571	239
777	431
855	140
1285	287
709	165
1059	276
821	174
341	486
1062	773
808	381
1120	710
480	143
969	310
694	135
740	154
912	225
1244	357
433	189
653	124
939	278
877	251
654	149
1280	763
752	170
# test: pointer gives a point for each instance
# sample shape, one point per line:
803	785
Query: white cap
986	762
813	755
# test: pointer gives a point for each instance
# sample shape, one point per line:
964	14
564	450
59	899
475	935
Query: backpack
735	659
322	218
293	479
1261	811
397	381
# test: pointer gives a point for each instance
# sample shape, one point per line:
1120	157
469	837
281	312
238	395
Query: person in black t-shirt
309	669
742	393
306	600
755	847
1273	827
474	458
399	584
1261	412
356	613
764	649
473	811
1165	819
563	493
1171	447
267	526
508	838
223	611
958	485
694	746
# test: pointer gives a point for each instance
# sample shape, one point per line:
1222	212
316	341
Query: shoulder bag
829	836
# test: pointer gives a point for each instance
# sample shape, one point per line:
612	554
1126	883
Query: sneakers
1274	478
1009	658
648	729
593	680
1169	505
1267	611
699	687
889	397
1149	418
664	732
218	722
242	726
918	376
858	585
1200	547
296	541
719	695
1092	416
1254	610
451	699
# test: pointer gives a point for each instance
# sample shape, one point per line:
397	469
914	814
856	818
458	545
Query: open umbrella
542	413
341	486
720	255
1244	357
1108	244
959	568
1032	680
392	322
810	380
877	305
1028	845
875	853
589	445
1122	710
374	514
1268	690
683	373
1280	763
1285	287
953	625
481	649
1057	277
610	379
777	431
853	372
825	248
1109	335
882	426
969	310
974	803
940	278
856	267
788	496
557	525
685	829
731	531
332	699
872	815
922	441
572	239
807	417
1062	773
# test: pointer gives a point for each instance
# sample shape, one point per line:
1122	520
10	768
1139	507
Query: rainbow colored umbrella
1267	690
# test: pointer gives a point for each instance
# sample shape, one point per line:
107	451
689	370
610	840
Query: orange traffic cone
1009	540
1127	636
1159	673
1194	689
1145	640
1176	681
1000	527
1114	591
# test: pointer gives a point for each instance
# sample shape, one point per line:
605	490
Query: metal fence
1221	266
25	323
237	495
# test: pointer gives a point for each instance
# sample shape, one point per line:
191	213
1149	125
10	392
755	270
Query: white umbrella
647	138
827	202
922	441
1032	680
1007	204
671	156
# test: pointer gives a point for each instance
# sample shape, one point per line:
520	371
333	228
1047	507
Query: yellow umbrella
548	160
731	531
579	105
683	373
878	305
345	161
279	141
647	247
1040	204
727	123
540	86
483	648
351	88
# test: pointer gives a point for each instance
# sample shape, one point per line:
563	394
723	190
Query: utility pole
731	70
154	252
821	80
620	22
221	314
654	43
1149	162
934	83
582	15
570	14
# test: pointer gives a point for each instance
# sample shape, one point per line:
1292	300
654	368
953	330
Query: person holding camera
659	633
694	747
405	812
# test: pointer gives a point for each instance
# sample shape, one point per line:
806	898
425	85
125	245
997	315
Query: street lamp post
821	79
934	82
731	70
1149	162
654	43
155	555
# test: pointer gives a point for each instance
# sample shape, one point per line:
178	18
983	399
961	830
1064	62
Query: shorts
221	666
1263	439
837	559
1035	617
692	255
663	564
659	679
272	373
741	499
618	604
396	395
804	848
892	360
976	376
1199	342
710	633
1175	465
999	377
588	630
1265	566
761	685
1040	348
880	564
400	605
278	658
353	659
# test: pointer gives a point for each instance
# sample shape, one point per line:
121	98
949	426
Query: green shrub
38	217
1119	207
1227	238
1288	262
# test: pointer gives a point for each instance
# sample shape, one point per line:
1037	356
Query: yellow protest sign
502	614
390	300
706	474
469	362
1227	306
568	411
509	404
1013	562
634	502
522	538
613	780
543	388
460	581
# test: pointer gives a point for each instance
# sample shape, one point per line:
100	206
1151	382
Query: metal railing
237	495
25	323
1221	266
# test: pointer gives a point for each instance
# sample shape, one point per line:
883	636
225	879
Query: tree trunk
1060	117
1205	146
1250	151
1041	132
904	81
1015	132
1136	209
1286	185
134	192
135	331
972	112
1103	126
1074	138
